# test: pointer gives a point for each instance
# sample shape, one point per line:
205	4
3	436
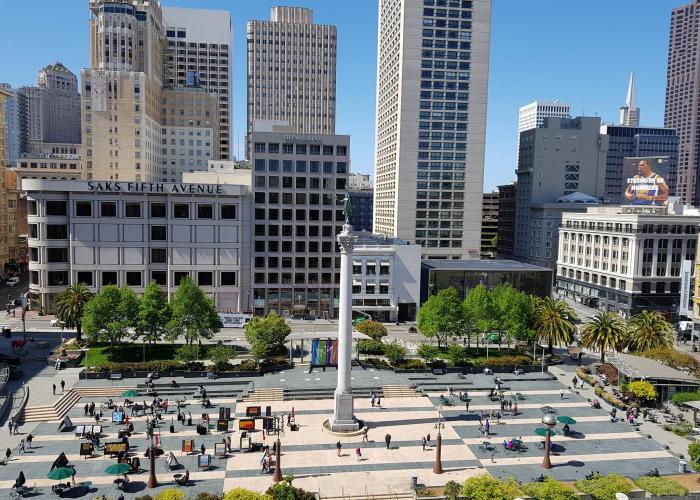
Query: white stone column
343	415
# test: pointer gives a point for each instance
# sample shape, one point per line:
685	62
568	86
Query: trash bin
414	482
682	466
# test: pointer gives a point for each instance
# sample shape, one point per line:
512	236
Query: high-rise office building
560	163
362	201
629	113
532	115
9	195
11	125
432	83
682	108
291	72
489	225
121	105
506	220
198	54
299	181
622	142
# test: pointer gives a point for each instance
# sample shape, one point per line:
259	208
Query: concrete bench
115	376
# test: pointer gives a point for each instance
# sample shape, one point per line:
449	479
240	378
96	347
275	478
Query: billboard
686	277
645	179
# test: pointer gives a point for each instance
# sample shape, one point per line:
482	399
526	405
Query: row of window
296	278
298	262
300	166
287	246
60	232
300	149
371	289
134	278
273	182
158	210
300	214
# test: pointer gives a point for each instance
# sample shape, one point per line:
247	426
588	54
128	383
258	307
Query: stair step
265	394
48	413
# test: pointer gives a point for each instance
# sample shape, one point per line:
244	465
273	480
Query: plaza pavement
310	454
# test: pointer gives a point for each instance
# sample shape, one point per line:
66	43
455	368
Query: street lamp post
152	480
437	468
549	421
278	425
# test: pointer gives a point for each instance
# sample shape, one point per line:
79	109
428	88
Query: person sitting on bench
184	479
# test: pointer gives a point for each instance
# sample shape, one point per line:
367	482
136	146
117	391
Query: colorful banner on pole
324	352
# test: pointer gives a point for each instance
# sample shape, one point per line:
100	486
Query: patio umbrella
541	431
61	473
117	469
566	420
130	394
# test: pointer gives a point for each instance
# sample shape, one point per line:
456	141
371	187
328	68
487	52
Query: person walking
487	426
373	399
427	438
466	404
30	438
338	447
15	428
358	454
54	389
364	434
203	449
8	454
63	386
515	408
387	440
574	382
9	427
423	442
379	402
21	447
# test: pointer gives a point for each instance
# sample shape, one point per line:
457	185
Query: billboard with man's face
646	180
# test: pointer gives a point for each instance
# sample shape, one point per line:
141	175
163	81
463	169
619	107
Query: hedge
661	486
605	487
586	377
370	346
550	489
609	398
684	397
509	360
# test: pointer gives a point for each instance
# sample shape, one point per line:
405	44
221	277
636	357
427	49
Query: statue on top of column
347	207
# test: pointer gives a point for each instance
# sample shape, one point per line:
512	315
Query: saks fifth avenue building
130	233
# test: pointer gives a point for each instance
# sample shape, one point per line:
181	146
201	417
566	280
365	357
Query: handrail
14	417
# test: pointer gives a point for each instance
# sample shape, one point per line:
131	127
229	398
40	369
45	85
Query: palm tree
649	330
605	331
70	304
555	322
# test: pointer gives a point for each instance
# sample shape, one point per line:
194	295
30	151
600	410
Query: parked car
12	281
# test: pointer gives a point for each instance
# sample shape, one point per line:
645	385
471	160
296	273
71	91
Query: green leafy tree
489	488
441	316
187	353
194	315
604	331
374	329
457	355
520	321
428	352
266	335
153	314
478	313
554	322
109	314
394	353
69	307
605	487
221	355
694	454
649	330
642	390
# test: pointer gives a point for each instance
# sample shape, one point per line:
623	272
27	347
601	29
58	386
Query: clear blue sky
578	52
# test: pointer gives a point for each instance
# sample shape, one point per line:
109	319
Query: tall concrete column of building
343	419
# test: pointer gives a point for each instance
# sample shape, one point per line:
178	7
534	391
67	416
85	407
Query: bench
115	376
439	371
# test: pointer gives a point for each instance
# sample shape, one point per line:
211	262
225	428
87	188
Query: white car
12	281
56	322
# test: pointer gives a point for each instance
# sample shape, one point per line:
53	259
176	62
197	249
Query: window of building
109	278
54	207
83	209
228	278
85	277
159	255
158	210
181	210
132	210
205	278
228	211
133	278
56	232
159	233
178	276
57	255
108	209
31	207
160	277
205	211
57	278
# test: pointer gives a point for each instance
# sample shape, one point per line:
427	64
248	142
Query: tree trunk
78	332
602	356
550	348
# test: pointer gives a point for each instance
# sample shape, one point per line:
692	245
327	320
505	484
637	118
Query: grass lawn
101	354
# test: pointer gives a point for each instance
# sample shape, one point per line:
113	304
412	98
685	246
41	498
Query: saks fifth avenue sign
153	187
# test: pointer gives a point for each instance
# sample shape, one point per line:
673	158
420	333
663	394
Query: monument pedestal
343	419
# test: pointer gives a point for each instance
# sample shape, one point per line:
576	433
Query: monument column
343	419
